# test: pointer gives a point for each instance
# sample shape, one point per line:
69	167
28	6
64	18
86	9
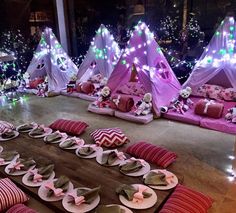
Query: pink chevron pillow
20	208
110	137
69	126
152	153
10	194
185	200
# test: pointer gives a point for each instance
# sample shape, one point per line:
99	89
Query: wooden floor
204	156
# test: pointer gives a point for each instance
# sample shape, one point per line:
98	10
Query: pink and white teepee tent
153	70
218	61
101	57
51	61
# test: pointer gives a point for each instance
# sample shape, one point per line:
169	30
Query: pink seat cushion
69	126
4	125
110	137
186	200
10	194
20	208
33	84
152	153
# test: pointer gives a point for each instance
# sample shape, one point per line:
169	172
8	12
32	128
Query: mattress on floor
220	124
188	117
144	119
30	91
101	111
79	95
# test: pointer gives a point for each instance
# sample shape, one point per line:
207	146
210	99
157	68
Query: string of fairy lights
14	43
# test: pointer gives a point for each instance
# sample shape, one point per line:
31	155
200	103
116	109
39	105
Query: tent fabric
52	61
153	70
219	56
103	53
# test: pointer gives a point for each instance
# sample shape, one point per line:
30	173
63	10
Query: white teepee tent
217	65
52	61
101	57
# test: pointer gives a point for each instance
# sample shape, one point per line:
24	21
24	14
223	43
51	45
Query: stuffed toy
104	99
71	84
231	115
144	106
183	102
42	89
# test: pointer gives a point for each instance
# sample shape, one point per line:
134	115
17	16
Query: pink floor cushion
110	137
20	208
186	200
70	94
87	97
188	117
85	87
34	83
10	194
152	153
144	119
69	126
101	111
4	125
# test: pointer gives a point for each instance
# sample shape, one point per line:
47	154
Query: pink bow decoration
57	191
62	134
78	141
120	155
2	161
138	196
37	177
139	160
169	178
78	199
16	166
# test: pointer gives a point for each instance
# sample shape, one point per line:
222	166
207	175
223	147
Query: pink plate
47	132
147	202
16	134
81	208
93	155
76	146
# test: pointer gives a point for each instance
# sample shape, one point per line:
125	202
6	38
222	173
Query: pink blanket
86	87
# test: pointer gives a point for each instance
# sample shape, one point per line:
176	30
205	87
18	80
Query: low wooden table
82	172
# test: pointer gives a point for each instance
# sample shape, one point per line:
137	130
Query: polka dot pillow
110	137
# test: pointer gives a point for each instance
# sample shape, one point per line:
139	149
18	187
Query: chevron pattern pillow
10	194
186	200
110	137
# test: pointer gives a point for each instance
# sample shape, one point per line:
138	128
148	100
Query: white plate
16	173
32	184
1	149
8	162
169	186
81	208
42	192
145	169
147	202
7	139
99	158
57	141
74	146
122	207
93	155
25	131
47	132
